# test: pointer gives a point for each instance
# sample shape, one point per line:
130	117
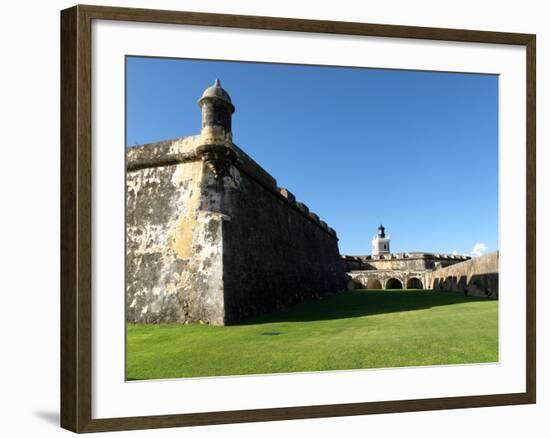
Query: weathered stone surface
170	244
162	153
218	248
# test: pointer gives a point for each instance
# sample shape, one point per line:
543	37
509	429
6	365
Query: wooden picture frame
76	218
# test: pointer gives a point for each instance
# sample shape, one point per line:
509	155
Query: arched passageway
374	283
394	283
414	283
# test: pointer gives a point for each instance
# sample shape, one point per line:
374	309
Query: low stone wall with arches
476	277
388	279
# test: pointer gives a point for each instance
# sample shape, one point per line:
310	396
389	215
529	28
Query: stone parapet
188	149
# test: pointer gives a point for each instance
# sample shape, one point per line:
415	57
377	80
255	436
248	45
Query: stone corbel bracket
217	157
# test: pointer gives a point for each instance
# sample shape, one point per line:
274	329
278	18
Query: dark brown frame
76	238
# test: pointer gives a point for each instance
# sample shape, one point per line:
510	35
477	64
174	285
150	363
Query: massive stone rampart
212	239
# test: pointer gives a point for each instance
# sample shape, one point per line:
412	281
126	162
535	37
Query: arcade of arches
389	280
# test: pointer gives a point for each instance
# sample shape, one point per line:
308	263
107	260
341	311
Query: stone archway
374	283
394	283
356	284
414	283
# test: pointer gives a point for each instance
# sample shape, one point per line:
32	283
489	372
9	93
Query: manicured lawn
357	329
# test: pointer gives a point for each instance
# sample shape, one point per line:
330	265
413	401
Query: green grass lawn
350	330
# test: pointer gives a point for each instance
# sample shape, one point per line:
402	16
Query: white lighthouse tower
381	242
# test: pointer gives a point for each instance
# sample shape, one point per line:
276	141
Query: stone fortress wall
211	238
472	276
476	277
401	261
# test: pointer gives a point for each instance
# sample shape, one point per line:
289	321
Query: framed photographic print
269	218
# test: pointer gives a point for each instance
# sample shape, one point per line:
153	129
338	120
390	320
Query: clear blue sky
416	151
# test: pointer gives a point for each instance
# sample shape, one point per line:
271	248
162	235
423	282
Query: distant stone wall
413	261
212	239
387	279
476	277
472	276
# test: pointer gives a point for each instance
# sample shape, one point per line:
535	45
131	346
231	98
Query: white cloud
478	249
455	252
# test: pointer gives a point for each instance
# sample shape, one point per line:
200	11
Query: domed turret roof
216	91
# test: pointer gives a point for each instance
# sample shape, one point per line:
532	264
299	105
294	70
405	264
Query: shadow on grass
358	303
